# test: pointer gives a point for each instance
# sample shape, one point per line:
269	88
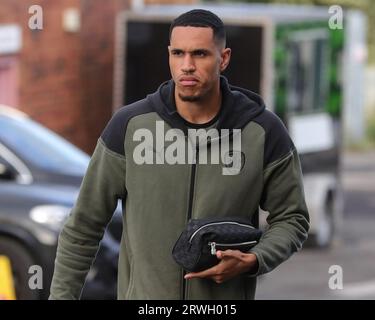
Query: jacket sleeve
283	197
79	239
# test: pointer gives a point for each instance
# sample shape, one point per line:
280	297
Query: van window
308	61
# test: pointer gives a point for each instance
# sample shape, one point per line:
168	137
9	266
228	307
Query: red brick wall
66	78
49	83
97	37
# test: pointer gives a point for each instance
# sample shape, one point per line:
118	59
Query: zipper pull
213	248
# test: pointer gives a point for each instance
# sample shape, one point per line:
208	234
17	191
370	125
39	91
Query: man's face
196	61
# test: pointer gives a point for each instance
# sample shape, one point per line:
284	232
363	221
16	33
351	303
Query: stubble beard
190	98
199	96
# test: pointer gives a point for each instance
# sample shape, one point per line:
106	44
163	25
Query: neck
201	111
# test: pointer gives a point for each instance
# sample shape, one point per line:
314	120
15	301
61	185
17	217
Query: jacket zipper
190	208
214	244
215	223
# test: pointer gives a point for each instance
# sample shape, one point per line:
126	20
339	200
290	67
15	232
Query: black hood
238	107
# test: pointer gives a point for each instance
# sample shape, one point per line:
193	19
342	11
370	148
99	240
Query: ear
225	58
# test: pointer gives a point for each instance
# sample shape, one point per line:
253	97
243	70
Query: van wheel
20	260
323	237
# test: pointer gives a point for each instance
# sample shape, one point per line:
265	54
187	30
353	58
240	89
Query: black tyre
323	238
20	260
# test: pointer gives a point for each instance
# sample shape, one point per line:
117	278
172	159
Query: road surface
306	274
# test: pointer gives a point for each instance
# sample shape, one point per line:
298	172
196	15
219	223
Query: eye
177	53
200	53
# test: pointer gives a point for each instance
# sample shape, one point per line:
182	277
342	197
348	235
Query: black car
40	176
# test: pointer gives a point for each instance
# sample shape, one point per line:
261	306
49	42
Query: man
161	191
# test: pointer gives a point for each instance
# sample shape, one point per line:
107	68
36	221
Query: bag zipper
214	244
215	223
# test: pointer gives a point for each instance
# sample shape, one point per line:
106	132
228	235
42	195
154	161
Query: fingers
226	254
202	274
218	278
217	273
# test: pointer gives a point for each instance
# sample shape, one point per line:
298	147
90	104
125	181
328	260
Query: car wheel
20	260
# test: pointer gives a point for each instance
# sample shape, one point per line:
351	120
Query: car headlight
52	216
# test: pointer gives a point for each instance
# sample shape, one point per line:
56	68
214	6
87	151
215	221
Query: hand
233	263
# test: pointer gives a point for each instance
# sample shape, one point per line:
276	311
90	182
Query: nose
188	65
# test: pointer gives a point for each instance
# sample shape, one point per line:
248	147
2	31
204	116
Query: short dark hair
201	18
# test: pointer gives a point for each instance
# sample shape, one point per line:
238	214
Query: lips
188	81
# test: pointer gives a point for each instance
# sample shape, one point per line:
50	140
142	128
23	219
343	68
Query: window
308	62
41	147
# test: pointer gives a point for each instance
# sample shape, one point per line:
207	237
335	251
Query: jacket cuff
257	272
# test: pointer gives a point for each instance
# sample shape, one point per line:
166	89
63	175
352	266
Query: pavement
307	274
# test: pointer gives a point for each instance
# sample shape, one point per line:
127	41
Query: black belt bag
195	249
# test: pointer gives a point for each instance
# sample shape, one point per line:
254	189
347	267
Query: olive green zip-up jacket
159	198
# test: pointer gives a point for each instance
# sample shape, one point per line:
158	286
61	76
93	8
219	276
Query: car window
7	171
42	147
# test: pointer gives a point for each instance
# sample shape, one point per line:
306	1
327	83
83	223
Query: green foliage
368	143
370	128
334	103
